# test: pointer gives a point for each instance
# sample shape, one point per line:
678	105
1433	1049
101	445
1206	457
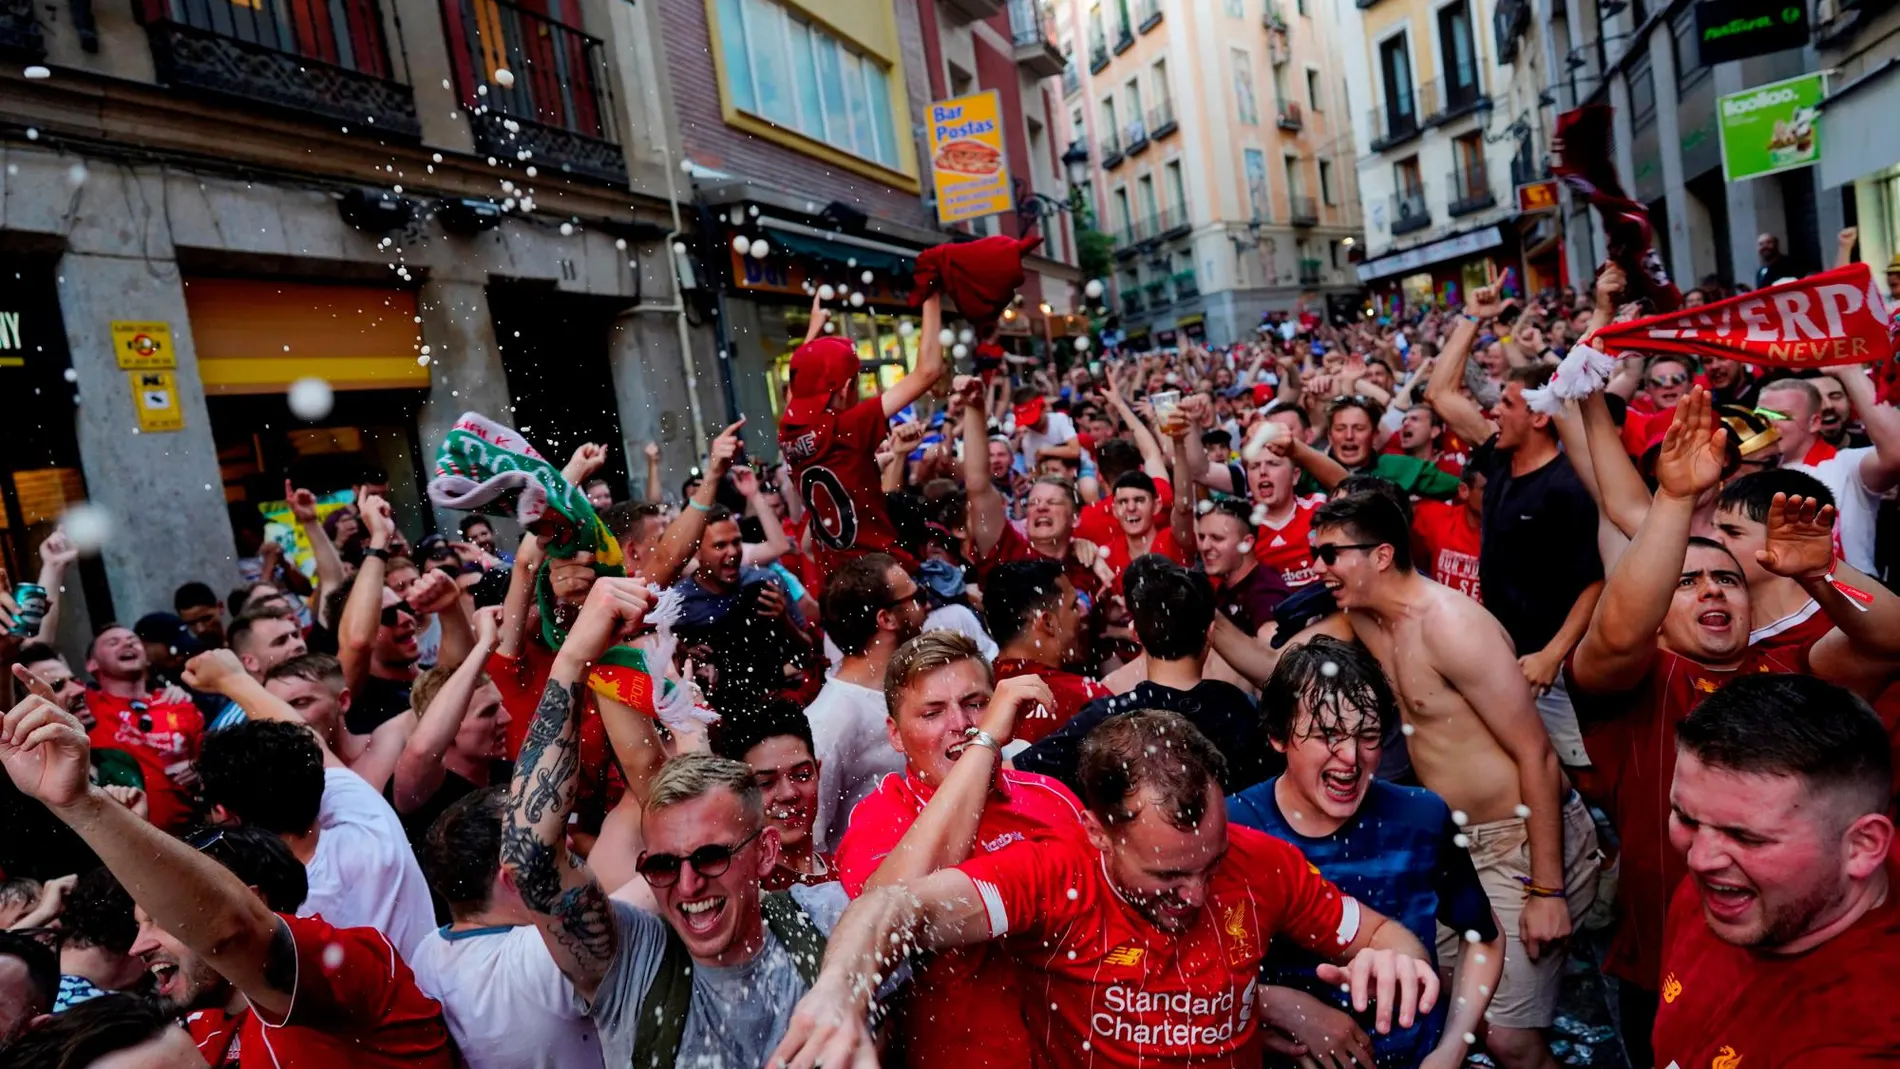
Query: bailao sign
1737	29
1770	128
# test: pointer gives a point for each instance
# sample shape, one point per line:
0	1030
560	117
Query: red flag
980	276
1837	317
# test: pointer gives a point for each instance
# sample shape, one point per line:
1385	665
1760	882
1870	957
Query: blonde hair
429	684
695	775
925	654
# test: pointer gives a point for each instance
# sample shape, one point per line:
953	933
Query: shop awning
1857	127
259	336
1426	255
841	249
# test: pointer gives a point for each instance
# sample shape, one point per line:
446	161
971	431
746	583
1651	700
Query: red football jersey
355	1003
966	1007
1728	1007
1071	692
163	738
1115	551
1098	524
1445	545
1631	739
1108	989
1013	547
834	460
1288	548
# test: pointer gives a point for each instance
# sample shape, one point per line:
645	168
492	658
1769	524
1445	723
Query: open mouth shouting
701	916
1718	620
1725	901
1342	785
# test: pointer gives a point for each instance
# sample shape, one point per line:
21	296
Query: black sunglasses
710	861
1328	553
915	596
145	716
390	614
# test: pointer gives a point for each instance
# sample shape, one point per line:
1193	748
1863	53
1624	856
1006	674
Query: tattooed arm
569	905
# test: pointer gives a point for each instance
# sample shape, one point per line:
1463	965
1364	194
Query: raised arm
568	904
419	771
588	459
1622	495
946	829
930	363
653	493
1213	476
362	613
776	544
987	510
56	557
438	594
193	898
220	672
1325	471
1181	514
1863	651
1442	391
303	510
518	611
681	538
1880	469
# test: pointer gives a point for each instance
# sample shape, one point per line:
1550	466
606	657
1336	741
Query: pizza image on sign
968	157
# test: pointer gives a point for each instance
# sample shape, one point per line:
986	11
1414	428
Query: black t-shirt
1539	545
1222	712
374	703
1250	602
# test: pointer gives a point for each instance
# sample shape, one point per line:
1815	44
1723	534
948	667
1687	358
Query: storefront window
1417	289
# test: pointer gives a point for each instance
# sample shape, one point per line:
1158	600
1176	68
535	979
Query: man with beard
128	714
1780	944
1329	709
775	742
1478	743
872	607
1035	615
50	668
377	628
1731	382
1142	946
260	987
966	1011
743	613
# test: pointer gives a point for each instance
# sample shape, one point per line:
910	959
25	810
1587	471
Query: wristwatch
379	552
979	737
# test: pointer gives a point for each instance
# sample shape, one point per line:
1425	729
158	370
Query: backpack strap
794	928
661	1026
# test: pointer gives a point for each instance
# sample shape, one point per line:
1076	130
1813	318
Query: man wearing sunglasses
1477	742
716	968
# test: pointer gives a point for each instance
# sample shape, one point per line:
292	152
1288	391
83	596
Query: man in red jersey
1782	615
966	1010
1137	502
830	438
1141	947
161	734
262	988
1034	613
1445	536
1284	541
1673	627
1780	946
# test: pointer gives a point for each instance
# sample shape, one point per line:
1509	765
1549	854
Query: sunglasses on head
710	861
392	613
1329	552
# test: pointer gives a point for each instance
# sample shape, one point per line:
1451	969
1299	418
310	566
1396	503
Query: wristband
1469	318
1538	891
1858	598
693	501
979	737
380	553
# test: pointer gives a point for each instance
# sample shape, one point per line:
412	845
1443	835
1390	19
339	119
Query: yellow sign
141	346
155	396
966	157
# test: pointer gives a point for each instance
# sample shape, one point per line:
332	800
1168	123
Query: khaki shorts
1560	722
1527	995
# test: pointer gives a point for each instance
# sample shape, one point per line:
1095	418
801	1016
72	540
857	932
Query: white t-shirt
1859	507
505	1000
847	731
363	874
1061	432
962	620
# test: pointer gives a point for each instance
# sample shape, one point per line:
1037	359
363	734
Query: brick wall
712	143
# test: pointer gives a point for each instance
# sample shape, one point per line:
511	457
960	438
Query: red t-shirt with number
354	1003
1445	545
1108	990
1288	548
834	460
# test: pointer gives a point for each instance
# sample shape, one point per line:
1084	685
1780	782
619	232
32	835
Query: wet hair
472	521
925	654
1369	516
735	736
1233	507
1800	386
313	667
194	595
719	514
1367	482
1795	725
1217	437
1752	494
461	853
266	772
1172	607
694	775
854	595
92	1030
260	859
240	596
1136	480
1150	750
1371	408
1333	680
98	912
1013	593
1067	484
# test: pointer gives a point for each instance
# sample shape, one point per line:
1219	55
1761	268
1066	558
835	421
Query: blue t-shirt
1396	856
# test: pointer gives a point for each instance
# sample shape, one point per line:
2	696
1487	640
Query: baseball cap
820	368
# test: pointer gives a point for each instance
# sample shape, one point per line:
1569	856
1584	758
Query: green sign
1770	128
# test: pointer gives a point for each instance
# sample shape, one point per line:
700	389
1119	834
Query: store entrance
554	351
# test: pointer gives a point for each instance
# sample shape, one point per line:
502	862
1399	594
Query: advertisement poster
1771	128
966	157
281	529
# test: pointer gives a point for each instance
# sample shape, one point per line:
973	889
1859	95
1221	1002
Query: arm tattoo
587	924
544	788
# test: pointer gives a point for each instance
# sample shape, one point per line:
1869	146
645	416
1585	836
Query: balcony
1032	32
1131	301
1311	272
1071	78
1443	99
558	112
1525	170
20	30
1158	296
1272	18
1290	116
1137	138
1393	125
973	10
1470	191
1173	222
1304	210
1148	15
1124	40
1111	147
1278	50
1098	52
335	68
1186	285
1161	121
1409	213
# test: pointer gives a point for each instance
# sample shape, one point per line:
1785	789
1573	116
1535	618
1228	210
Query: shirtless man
1477	741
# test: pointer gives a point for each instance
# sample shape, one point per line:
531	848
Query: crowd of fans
1310	700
